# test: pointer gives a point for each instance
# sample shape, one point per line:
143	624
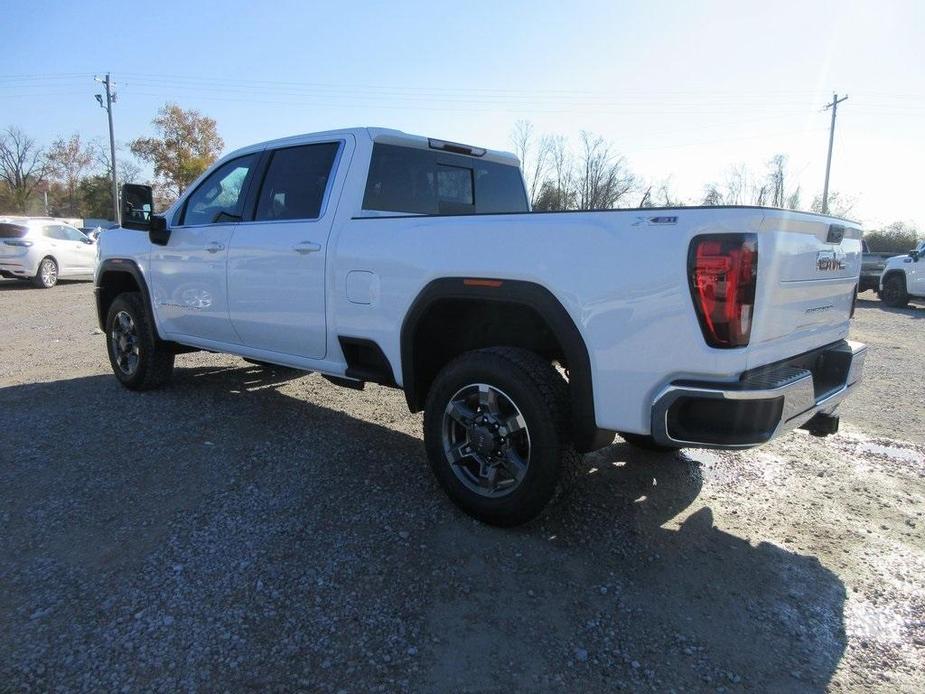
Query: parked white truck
370	255
903	278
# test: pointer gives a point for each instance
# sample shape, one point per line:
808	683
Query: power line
828	162
110	99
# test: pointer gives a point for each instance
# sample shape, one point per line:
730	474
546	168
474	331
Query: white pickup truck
903	278
371	255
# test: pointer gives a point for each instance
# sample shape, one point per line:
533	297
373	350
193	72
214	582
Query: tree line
71	177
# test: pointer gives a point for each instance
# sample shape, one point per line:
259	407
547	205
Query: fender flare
898	272
123	266
587	436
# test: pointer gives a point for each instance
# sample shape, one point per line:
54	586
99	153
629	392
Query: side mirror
158	232
137	207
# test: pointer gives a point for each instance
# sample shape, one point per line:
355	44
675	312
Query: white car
44	251
903	278
526	338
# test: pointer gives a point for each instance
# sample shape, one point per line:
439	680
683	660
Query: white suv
44	251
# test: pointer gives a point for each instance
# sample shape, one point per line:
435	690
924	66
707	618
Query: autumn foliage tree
186	143
68	163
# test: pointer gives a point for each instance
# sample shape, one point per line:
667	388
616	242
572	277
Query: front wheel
139	359
496	429
894	292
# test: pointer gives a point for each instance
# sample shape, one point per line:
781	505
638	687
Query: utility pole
110	100
828	163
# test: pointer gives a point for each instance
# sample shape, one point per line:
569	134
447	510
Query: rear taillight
18	242
722	269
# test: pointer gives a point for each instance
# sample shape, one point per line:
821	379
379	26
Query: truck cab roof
386	136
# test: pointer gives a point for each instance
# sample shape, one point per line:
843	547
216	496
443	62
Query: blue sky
684	90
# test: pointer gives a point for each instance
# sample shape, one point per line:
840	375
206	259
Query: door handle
215	247
306	247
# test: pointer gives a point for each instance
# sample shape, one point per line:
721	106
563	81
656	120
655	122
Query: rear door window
295	182
423	181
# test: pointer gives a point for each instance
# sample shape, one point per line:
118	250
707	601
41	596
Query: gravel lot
256	529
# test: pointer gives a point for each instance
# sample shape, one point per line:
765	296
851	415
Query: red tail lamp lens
723	270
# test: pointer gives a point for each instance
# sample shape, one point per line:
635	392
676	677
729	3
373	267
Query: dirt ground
247	528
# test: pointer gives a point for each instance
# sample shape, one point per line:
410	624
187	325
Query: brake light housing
723	274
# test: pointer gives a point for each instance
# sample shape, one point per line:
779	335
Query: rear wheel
496	433
894	292
139	359
47	276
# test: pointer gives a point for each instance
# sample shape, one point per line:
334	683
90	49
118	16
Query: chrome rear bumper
762	404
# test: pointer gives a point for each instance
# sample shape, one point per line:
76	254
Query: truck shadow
178	503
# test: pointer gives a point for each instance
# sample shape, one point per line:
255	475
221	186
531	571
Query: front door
276	262
188	274
83	250
917	273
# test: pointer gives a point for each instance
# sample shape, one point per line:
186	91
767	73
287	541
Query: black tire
647	443
894	292
540	394
47	275
153	365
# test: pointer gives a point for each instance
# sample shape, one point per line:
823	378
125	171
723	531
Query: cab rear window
12	231
420	181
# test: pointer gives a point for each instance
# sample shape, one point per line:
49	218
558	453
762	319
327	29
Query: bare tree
603	177
712	196
23	167
664	195
777	179
737	185
557	192
840	205
534	156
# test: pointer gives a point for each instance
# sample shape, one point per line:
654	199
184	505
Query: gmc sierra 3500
371	255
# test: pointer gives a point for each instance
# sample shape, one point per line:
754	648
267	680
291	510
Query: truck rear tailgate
807	273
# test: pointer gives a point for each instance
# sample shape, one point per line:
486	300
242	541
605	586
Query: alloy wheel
49	272
125	343
486	440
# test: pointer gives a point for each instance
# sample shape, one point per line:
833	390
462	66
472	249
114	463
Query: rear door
276	262
63	249
189	273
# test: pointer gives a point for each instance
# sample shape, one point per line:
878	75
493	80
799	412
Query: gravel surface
250	528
